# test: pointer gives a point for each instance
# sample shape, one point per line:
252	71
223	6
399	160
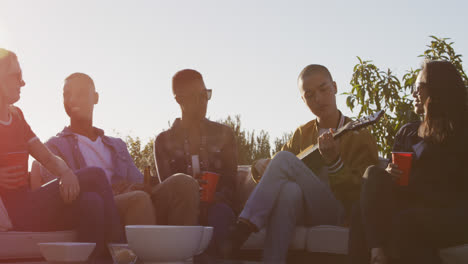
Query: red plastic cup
403	161
209	186
19	159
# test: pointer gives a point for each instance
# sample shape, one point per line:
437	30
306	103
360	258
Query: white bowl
167	244
66	251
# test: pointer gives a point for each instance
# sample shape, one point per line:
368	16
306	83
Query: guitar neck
311	157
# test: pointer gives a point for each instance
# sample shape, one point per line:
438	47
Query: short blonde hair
7	60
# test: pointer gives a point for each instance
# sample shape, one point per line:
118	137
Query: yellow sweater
358	151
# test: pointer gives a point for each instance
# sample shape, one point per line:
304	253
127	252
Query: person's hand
69	187
393	170
328	147
10	176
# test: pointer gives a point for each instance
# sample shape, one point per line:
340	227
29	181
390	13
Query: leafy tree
250	146
142	156
280	141
374	89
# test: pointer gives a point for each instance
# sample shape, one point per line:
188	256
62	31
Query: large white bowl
61	252
167	244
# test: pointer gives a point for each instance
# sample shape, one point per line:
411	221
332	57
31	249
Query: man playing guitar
317	188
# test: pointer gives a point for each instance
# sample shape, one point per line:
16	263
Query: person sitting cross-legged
289	192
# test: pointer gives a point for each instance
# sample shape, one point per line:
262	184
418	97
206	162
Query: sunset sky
249	52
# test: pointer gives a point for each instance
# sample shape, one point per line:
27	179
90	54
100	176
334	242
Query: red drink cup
19	159
209	186
403	161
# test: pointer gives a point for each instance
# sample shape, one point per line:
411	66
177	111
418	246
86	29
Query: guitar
311	156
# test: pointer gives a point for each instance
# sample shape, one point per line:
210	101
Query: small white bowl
167	244
61	252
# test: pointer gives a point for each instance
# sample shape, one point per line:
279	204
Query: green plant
142	156
374	89
250	146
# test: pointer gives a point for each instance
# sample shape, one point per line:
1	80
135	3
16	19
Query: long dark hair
446	105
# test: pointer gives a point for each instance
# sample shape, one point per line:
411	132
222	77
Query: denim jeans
93	214
289	193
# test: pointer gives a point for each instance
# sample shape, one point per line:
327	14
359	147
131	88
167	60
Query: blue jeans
289	193
93	214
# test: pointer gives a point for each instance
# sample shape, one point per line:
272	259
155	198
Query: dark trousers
93	214
220	216
407	233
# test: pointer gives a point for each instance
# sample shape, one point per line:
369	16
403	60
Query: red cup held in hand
210	180
403	161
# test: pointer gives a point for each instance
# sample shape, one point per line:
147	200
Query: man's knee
284	155
140	197
281	159
183	183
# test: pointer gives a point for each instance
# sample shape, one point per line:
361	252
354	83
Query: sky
249	52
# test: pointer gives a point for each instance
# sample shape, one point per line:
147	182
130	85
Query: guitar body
313	160
311	155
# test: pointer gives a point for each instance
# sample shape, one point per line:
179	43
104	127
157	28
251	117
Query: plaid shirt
218	153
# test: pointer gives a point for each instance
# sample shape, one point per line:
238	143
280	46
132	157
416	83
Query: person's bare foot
378	256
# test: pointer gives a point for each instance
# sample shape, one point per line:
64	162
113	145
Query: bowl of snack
121	253
66	252
167	244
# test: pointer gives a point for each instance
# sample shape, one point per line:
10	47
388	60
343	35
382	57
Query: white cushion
257	240
5	222
454	255
16	245
327	239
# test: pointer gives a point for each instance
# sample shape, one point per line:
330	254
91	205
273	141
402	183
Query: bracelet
336	166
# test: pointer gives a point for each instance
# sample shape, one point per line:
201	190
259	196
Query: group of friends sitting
83	179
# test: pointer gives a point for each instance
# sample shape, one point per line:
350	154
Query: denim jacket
65	145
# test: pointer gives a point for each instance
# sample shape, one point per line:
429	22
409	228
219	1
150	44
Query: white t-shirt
96	154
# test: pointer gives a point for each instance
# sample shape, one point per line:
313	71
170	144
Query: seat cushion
17	245
244	186
257	240
454	255
327	239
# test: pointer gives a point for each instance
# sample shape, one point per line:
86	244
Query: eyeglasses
205	94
